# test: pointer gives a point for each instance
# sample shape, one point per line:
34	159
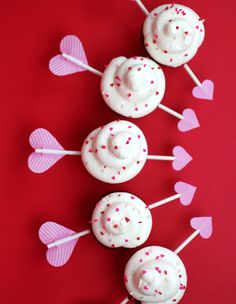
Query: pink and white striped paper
70	45
58	255
43	139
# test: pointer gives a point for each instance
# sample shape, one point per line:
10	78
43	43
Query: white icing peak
173	33
158	277
138	78
133	87
121	219
178	36
155	275
123	145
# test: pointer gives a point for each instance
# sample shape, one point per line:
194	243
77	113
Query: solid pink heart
203	224
70	45
189	121
182	158
205	91
58	255
42	139
186	191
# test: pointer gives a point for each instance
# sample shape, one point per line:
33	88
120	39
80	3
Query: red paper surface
70	107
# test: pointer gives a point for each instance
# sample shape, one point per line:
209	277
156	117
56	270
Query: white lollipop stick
57	152
192	75
142	7
187	241
71	152
179	160
203	226
81	64
170	111
68	238
126	300
161	157
164	201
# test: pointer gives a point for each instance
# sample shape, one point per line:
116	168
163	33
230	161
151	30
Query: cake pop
132	87
156	274
114	153
172	35
120	219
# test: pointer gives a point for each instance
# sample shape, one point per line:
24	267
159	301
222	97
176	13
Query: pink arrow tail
43	139
50	232
72	46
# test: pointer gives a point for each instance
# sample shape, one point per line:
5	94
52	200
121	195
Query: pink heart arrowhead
58	255
189	121
182	158
186	191
70	45
205	91
43	139
203	224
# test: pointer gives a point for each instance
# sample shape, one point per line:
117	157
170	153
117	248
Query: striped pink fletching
58	255
70	45
42	139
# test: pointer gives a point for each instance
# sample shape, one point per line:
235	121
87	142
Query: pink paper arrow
72	46
41	162
186	191
203	224
189	121
182	158
205	91
50	232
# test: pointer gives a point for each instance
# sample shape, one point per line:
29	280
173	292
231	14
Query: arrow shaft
164	201
187	241
170	111
68	239
126	300
142	7
160	157
81	64
192	75
57	152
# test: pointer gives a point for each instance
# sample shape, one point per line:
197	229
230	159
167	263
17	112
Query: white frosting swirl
155	275
116	152
172	34
121	219
133	87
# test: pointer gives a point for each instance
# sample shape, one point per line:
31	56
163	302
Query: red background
70	107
